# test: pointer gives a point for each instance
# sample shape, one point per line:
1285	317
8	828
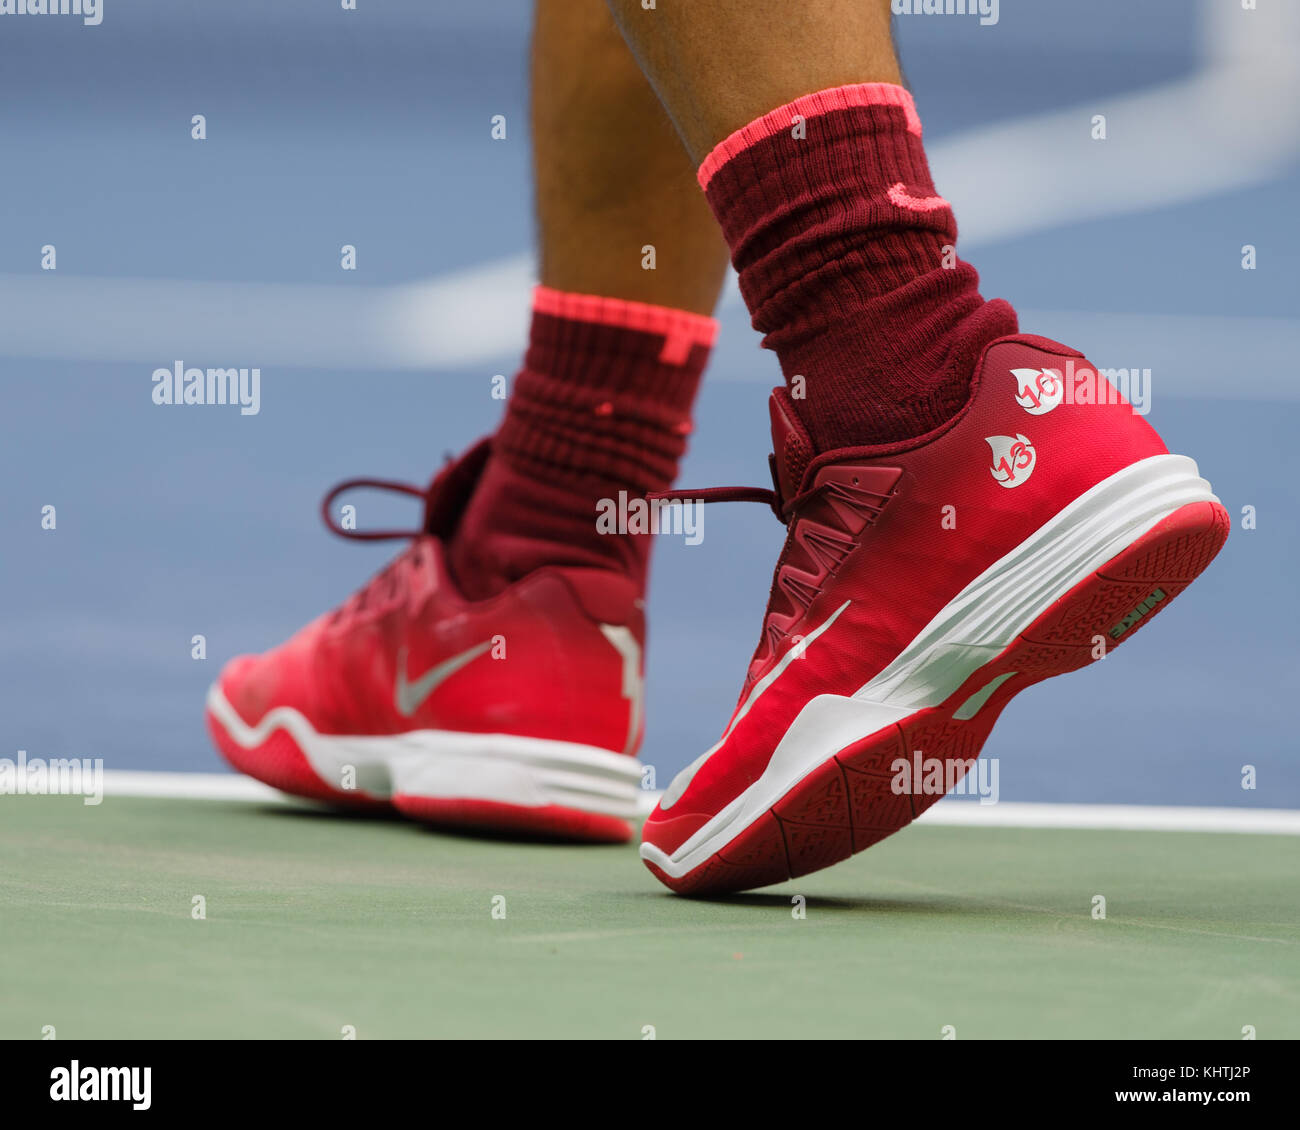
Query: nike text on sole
827	791
495	781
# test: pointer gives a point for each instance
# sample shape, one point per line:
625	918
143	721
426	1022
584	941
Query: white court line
189	786
1115	817
1233	123
1006	814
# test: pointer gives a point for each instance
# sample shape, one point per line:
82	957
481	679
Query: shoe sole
846	802
498	784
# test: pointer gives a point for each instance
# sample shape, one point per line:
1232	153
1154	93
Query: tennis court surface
317	923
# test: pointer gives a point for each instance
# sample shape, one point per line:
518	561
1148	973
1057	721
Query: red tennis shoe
520	713
921	586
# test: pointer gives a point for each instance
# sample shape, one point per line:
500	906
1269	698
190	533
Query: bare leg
721	64
810	153
603	401
610	171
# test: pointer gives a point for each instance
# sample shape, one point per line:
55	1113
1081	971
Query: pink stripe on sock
809	106
681	329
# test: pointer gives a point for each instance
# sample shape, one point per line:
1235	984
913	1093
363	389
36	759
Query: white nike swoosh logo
409	696
678	784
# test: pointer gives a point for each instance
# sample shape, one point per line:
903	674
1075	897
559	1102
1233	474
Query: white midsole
973	628
453	765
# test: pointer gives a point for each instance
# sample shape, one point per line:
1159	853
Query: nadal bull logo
1013	459
1038	391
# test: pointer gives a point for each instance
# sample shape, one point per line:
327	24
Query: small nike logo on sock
409	696
899	196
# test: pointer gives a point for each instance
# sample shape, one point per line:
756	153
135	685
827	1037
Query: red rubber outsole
279	762
848	803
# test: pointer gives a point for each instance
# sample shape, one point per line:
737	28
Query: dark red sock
839	239
602	405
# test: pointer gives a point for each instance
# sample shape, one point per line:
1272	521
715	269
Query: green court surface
315	922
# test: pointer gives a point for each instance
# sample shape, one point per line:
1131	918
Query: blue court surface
328	127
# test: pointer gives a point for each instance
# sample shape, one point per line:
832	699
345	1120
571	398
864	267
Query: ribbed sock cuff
845	255
606	390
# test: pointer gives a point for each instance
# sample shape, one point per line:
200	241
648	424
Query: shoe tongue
792	450
451	489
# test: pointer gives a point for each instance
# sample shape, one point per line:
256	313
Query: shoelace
768	497
391	573
327	515
782	508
